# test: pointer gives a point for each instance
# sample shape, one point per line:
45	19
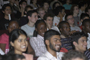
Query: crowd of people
47	31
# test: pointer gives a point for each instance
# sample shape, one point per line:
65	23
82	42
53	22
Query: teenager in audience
69	18
48	18
4	38
67	5
75	11
53	44
6	9
37	42
64	28
74	55
41	13
83	17
79	41
59	15
18	43
87	10
29	27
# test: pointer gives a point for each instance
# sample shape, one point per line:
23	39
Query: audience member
64	28
69	18
74	55
48	18
53	44
87	10
37	42
59	15
29	27
75	11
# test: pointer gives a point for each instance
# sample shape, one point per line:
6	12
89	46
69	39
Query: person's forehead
82	38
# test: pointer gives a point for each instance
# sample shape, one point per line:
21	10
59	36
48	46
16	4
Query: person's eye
20	40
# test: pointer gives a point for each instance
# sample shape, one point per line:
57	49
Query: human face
82	44
46	6
87	27
63	12
23	5
76	9
41	29
13	25
77	59
12	1
70	19
55	43
49	22
65	30
41	13
7	10
20	44
33	18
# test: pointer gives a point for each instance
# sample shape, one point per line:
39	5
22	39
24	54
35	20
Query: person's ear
12	43
60	29
47	42
29	17
36	29
74	43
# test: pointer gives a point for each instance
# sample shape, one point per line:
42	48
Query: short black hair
85	21
22	2
29	13
73	55
48	34
58	9
48	15
61	24
55	4
28	6
67	16
81	4
83	15
86	10
6	5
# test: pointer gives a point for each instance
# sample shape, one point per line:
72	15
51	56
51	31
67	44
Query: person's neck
52	52
72	25
75	15
30	24
17	52
6	17
79	50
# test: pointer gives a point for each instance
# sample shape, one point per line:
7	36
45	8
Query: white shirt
56	20
88	41
54	28
48	56
76	28
29	30
38	45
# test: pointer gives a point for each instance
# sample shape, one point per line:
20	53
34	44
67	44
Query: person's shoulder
43	57
24	26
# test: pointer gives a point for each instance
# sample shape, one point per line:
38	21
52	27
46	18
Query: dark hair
29	13
72	8
36	24
28	6
12	57
58	9
22	2
48	34
55	4
13	36
6	5
73	55
83	15
48	15
67	16
61	24
75	37
43	3
85	21
81	4
86	10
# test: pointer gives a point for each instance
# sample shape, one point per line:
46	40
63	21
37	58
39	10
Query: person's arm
2	46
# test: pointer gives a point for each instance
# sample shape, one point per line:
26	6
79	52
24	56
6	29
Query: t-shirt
76	28
29	30
4	39
67	7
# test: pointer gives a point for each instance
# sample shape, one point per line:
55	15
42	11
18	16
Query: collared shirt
38	45
88	41
48	56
